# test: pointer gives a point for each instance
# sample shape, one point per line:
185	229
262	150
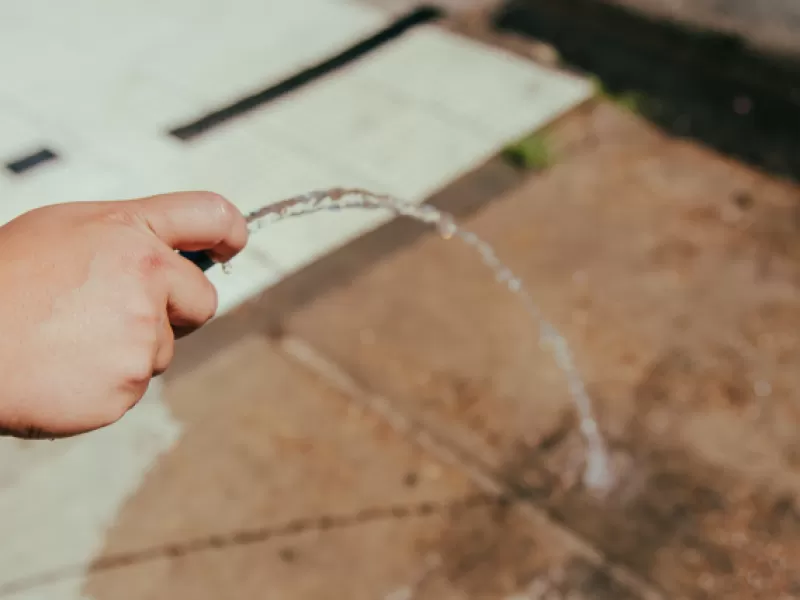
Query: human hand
92	297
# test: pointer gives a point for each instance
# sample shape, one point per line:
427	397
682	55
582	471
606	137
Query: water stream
597	475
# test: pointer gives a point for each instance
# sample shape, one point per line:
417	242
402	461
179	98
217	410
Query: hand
92	296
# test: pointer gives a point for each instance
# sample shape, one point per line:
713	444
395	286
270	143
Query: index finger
192	221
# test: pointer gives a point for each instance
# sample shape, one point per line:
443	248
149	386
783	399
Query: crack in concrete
257	535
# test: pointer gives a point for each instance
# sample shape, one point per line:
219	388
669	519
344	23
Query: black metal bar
195	128
203	261
31	160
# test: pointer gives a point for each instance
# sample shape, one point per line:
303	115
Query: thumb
192	221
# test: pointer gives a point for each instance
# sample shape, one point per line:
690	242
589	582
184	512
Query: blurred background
372	415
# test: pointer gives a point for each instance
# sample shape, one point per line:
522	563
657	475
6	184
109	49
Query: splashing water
597	475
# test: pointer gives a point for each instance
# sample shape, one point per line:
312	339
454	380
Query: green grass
533	153
632	101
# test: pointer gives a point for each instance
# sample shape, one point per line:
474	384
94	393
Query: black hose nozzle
201	259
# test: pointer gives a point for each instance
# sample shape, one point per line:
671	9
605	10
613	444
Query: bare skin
92	298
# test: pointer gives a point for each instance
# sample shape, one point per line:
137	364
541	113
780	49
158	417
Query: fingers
188	221
166	349
194	221
191	297
191	300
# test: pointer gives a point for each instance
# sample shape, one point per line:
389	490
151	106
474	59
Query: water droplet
504	276
580	278
447	229
431	471
598	477
762	388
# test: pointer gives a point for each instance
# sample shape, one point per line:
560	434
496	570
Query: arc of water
597	474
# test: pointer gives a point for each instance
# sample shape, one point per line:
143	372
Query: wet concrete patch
698	532
647	256
282	486
491	554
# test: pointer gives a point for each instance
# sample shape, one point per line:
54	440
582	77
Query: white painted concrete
100	82
60	497
406	120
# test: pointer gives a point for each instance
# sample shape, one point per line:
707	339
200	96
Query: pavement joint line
250	536
417	17
422	434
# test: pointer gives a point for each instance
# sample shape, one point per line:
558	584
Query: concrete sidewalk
397	433
383	424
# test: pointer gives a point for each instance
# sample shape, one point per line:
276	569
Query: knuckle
113	412
151	260
138	368
132	365
118	213
123	396
165	355
146	317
